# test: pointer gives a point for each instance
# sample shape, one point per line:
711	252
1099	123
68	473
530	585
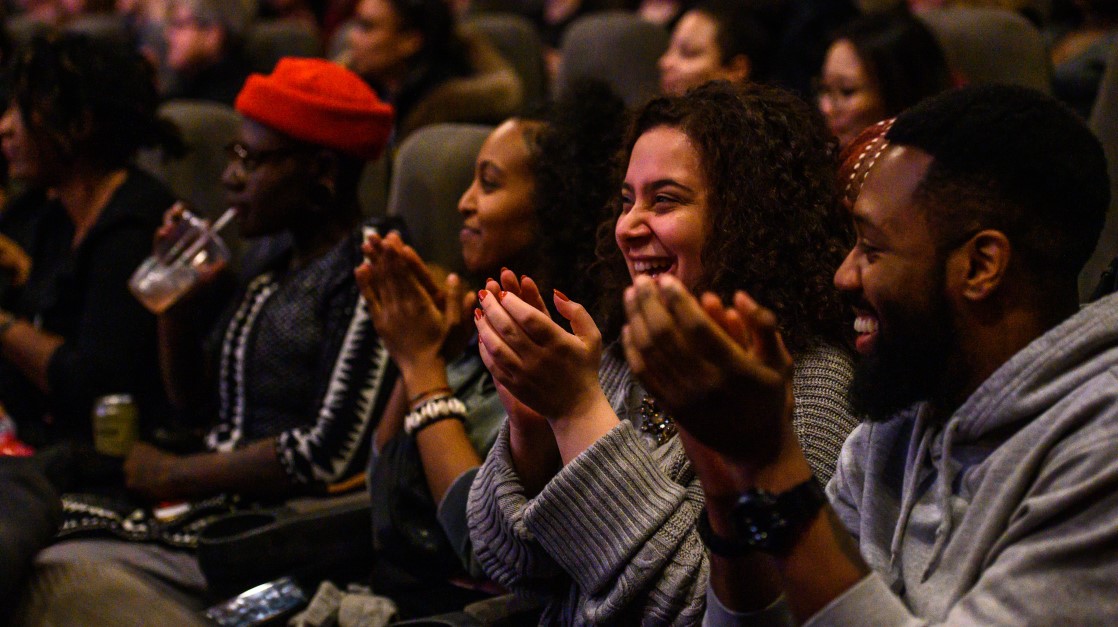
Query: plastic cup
194	247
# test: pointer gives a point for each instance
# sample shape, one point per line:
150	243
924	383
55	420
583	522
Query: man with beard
984	487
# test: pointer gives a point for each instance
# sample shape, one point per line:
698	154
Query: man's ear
979	266
325	168
411	43
738	69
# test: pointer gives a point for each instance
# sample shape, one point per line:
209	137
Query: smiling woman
540	188
716	40
587	492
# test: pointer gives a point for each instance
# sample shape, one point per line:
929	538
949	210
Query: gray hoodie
1008	513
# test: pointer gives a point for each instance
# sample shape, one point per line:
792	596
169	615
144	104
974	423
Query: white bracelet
433	411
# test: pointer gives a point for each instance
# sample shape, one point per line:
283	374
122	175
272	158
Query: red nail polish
501	295
481	294
478	313
562	296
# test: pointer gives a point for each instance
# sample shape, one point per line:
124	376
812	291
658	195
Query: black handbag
411	547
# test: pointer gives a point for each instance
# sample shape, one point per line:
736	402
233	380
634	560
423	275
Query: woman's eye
663	201
869	250
488	184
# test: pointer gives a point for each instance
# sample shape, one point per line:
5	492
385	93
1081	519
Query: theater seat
991	46
1104	122
617	47
432	169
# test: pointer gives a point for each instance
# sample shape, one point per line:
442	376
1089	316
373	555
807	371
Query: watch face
759	521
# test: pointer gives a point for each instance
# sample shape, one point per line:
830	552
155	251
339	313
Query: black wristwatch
766	522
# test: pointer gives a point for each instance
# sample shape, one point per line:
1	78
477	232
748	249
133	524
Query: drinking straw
198	243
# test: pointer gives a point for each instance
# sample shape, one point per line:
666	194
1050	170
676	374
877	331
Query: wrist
423	377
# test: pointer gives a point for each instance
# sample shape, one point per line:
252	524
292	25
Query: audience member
298	374
205	57
294	350
71	331
982	490
878	66
587	499
540	189
415	56
716	40
1079	55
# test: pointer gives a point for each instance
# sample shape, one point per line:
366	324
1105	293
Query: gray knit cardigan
611	538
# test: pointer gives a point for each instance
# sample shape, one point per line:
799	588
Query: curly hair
90	100
577	176
776	229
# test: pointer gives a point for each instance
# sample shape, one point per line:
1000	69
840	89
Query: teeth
651	267
865	324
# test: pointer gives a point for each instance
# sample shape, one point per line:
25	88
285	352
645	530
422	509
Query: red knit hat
320	102
859	157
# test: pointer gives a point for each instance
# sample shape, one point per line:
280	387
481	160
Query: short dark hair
434	20
92	100
901	56
777	227
1012	159
739	32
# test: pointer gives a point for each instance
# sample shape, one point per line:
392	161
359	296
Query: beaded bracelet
432	411
423	397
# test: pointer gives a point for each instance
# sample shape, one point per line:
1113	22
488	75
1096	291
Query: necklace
656	421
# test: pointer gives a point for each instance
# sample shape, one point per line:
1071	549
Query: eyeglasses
249	159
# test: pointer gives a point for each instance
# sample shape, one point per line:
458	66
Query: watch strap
716	544
772	522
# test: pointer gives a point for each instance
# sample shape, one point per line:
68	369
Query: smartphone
260	605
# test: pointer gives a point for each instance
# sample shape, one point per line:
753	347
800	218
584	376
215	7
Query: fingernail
504	269
490	280
501	295
562	296
481	294
478	313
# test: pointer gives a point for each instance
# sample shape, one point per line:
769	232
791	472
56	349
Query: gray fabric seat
617	47
516	38
269	41
991	46
1104	122
432	169
206	127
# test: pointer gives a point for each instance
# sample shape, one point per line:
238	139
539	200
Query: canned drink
116	424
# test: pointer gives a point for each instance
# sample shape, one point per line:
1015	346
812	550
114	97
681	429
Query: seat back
268	41
516	38
206	127
1104	122
106	27
617	47
991	46
432	169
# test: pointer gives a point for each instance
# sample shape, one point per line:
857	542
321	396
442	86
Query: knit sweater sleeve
617	522
504	546
823	417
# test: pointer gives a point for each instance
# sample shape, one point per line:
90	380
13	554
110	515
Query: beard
910	360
